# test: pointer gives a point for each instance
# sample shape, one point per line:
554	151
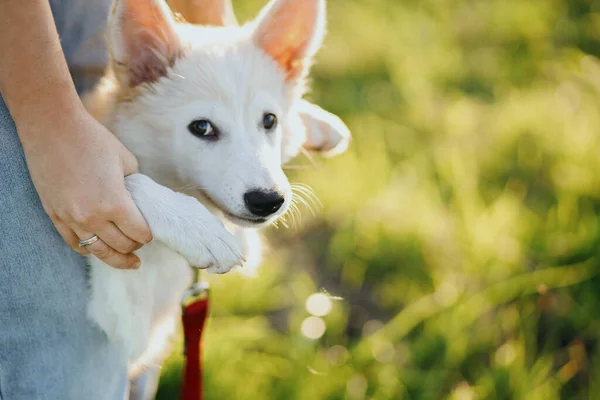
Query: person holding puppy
61	189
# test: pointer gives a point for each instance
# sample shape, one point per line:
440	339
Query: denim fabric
80	24
48	347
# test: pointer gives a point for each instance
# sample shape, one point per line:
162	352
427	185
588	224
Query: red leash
194	310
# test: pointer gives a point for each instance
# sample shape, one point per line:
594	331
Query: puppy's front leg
185	225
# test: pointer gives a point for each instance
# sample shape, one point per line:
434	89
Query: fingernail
136	264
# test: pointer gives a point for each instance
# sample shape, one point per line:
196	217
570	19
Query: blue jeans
48	347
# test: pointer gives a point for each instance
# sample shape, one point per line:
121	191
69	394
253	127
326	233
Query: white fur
224	75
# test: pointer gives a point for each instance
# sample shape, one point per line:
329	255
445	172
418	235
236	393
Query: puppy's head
218	109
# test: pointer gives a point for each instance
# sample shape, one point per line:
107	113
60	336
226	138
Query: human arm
77	166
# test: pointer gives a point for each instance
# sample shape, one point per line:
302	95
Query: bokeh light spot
463	392
506	354
383	351
318	304
313	327
446	294
357	386
337	355
371	327
388	376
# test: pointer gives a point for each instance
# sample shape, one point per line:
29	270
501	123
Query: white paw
220	269
201	238
186	226
213	248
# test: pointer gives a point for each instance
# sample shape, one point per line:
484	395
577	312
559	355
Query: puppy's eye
204	129
269	121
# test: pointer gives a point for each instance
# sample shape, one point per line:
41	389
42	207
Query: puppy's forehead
225	65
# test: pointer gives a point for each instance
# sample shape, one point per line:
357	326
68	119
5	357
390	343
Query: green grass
459	235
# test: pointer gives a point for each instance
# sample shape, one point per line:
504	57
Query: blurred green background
456	252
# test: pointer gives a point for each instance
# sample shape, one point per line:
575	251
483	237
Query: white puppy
211	113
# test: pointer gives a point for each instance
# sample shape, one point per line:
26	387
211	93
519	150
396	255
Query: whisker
189	186
308	156
307	205
292	214
275	224
302	185
298	214
180	76
308	192
284	220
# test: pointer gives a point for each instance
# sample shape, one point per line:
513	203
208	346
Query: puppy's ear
326	133
142	41
291	32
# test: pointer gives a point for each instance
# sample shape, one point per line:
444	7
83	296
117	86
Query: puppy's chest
169	275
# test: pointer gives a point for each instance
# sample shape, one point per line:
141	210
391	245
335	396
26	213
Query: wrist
48	113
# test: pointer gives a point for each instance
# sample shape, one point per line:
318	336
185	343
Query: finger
130	164
114	238
69	236
107	254
132	223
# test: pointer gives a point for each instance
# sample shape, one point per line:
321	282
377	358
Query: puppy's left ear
326	133
291	32
142	40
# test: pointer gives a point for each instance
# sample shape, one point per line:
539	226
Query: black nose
263	202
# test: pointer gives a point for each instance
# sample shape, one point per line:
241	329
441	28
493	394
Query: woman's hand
78	168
